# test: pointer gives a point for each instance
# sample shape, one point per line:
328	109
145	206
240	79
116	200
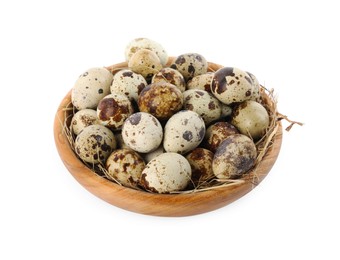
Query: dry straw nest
211	195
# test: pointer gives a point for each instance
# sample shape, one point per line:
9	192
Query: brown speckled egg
94	144
113	110
230	85
225	110
125	166
82	119
203	103
171	76
145	43
202	82
235	156
190	65
146	63
183	132
142	132
168	172
161	99
91	87
150	155
216	133
200	160
128	83
250	118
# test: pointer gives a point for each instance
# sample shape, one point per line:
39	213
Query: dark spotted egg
190	65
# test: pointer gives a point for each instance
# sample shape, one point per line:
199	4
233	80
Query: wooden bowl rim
183	204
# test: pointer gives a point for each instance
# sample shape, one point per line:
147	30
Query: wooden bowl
184	204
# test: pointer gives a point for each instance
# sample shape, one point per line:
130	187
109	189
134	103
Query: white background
291	46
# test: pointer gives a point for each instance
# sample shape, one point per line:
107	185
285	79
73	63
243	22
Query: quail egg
202	82
183	132
200	160
128	83
256	95
230	85
250	118
82	119
142	132
171	76
94	144
145	43
234	156
125	166
113	110
216	133
146	63
150	155
190	65
91	87
168	172
203	103
225	110
160	99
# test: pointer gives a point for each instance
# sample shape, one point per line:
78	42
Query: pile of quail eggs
166	126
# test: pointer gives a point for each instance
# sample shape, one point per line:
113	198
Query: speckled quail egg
150	155
256	95
183	132
230	85
168	172
128	83
125	166
203	103
190	65
113	110
142	132
160	99
200	160
216	133
91	87
225	110
145	43
250	118
146	63
202	81
171	76
94	144
235	156
82	119
120	141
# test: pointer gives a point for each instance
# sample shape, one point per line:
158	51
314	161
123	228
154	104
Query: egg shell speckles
128	83
82	119
171	76
161	99
125	166
183	132
91	87
146	63
230	85
203	103
113	110
202	82
256	95
216	133
200	160
250	118
142	132
235	156
190	65
145	43
94	144
168	172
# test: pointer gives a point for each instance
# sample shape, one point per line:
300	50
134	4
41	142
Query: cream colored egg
190	65
230	85
171	76
202	82
94	144
82	119
125	166
91	87
168	172
250	118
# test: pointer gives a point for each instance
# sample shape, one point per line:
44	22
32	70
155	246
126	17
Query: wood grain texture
149	203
